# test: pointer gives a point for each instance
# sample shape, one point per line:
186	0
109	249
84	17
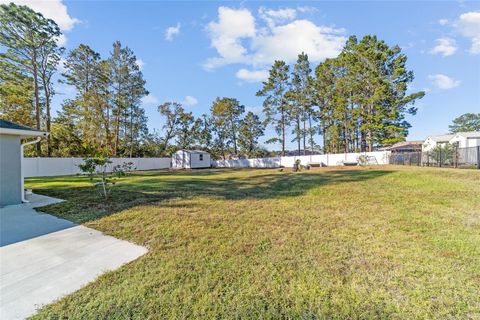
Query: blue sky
193	52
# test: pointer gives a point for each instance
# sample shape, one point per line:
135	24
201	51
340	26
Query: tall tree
301	101
84	71
172	112
380	80
185	138
204	134
16	95
275	105
226	112
466	122
31	48
49	59
128	88
323	87
362	96
250	130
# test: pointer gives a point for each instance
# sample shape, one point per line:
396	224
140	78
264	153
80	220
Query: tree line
354	102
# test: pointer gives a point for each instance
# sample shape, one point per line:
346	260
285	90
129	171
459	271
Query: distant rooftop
469	134
442	137
447	137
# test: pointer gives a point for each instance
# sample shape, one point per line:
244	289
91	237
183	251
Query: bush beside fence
45	167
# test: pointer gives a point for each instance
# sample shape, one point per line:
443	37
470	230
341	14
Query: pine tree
466	122
226	113
31	52
250	130
301	100
275	105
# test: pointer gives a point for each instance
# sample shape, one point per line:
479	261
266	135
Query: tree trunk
310	131
370	140
283	133
324	135
299	137
37	98
234	137
304	135
47	110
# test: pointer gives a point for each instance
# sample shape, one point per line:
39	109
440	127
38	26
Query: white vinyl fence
43	167
248	163
378	157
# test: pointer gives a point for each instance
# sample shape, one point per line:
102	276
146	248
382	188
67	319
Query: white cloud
237	39
444	82
252	76
468	25
171	32
61	40
189	101
307	9
61	64
445	47
272	17
442	22
226	36
301	36
149	100
140	63
52	9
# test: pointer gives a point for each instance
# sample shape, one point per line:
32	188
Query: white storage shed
191	159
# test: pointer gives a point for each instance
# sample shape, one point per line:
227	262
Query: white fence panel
248	163
381	157
46	167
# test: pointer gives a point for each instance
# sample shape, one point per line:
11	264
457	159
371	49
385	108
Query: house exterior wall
462	141
473	142
10	170
428	145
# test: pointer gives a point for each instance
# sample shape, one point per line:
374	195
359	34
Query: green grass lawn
383	242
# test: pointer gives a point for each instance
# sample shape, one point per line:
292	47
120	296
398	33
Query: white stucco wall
428	145
462	141
473	142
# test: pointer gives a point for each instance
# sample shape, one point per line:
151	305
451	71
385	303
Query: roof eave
23	133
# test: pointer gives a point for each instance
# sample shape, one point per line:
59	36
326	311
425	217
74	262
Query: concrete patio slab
44	258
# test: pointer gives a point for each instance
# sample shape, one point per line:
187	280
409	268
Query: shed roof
12	128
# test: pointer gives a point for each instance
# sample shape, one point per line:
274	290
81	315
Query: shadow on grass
84	204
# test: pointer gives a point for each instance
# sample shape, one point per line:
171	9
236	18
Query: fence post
478	157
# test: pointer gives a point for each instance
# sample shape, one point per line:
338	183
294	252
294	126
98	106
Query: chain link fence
453	157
